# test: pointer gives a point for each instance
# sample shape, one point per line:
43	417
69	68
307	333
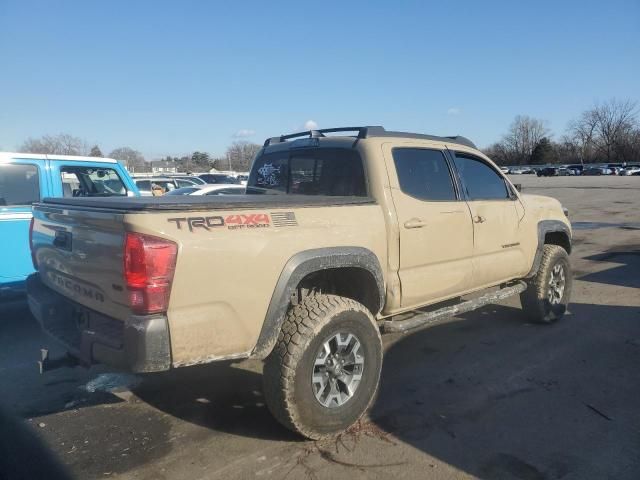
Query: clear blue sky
174	77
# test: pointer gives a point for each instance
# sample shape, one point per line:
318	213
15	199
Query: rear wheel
323	373
547	296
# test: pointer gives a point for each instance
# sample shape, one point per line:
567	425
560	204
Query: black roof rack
369	132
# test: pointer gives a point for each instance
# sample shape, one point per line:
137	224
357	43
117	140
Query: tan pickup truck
338	237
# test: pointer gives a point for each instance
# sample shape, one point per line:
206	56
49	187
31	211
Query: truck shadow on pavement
487	393
220	397
624	273
496	397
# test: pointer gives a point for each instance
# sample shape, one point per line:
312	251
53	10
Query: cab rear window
18	185
318	171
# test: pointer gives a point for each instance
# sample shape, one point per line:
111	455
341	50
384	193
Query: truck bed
195	203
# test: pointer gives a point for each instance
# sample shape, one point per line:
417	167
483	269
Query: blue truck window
91	182
19	185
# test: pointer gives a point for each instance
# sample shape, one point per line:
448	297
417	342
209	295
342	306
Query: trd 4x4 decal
237	221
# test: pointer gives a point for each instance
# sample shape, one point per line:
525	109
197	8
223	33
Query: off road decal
236	221
253	220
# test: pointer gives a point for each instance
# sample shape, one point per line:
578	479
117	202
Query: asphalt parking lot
484	395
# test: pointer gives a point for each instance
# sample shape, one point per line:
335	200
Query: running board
422	319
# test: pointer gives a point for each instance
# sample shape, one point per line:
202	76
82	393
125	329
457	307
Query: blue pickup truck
27	178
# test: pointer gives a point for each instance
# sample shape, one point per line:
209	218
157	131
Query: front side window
424	174
19	185
91	182
315	171
480	181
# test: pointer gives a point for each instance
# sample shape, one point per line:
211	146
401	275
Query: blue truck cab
28	178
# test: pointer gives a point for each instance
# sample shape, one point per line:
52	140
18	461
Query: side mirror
518	186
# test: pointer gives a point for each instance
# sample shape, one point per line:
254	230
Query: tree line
237	157
607	132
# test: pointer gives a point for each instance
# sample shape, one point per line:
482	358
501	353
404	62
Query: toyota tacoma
343	233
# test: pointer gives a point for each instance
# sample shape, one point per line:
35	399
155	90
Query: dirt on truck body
337	236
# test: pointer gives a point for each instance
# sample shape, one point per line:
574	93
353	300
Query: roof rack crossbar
367	132
362	133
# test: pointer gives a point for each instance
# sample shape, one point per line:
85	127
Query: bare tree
614	120
240	155
569	150
498	154
61	144
96	152
607	131
522	138
132	159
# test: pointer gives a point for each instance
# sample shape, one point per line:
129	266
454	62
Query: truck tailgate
79	254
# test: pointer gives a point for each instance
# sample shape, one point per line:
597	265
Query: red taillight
149	263
33	253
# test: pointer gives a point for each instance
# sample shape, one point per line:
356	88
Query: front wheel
547	296
323	373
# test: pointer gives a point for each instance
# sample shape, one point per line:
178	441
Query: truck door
436	233
497	253
22	183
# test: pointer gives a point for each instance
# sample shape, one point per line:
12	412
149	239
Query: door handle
415	223
479	219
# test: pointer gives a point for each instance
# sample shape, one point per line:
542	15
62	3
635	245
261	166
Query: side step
422	319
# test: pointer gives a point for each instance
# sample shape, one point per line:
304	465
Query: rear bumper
140	344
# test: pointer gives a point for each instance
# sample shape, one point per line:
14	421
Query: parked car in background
630	171
187	180
576	168
548	172
215	189
505	170
28	178
597	171
154	186
219	178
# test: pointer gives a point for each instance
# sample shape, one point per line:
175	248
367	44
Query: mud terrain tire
547	296
333	339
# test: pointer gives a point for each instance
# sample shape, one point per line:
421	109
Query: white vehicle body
220	189
630	171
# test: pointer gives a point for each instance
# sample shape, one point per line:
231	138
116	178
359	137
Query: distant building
163	166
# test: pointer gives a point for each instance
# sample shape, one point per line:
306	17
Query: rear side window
91	182
318	171
143	184
18	185
480	181
424	174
